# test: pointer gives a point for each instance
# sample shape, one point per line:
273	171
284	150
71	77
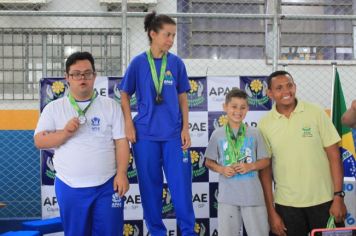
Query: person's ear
270	94
224	106
153	34
66	76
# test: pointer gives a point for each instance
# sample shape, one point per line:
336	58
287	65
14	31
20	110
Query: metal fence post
124	36
275	34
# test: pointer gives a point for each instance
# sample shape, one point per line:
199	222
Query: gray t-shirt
241	190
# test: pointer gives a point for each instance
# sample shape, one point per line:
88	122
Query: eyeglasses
77	75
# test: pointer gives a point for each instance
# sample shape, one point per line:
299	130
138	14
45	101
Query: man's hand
121	184
71	127
55	138
353	105
338	209
277	225
349	117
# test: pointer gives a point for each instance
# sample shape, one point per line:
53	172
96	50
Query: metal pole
124	36
275	35
44	56
334	64
134	14
285	67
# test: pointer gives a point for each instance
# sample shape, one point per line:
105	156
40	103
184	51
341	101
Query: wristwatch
340	194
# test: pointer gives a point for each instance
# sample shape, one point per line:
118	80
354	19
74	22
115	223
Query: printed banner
198	128
206	99
49	202
197	99
218	87
47	169
256	89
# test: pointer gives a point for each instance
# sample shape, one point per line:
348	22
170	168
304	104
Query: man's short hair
78	56
275	74
235	93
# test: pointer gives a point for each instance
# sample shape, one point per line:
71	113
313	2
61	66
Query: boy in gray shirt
237	152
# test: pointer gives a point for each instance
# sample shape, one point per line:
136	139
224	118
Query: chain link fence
214	37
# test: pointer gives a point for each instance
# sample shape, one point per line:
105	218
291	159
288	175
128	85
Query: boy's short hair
235	93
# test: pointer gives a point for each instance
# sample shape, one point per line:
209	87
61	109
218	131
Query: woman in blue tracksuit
159	132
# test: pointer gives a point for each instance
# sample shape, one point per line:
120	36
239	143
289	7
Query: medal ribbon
77	108
158	82
235	143
331	223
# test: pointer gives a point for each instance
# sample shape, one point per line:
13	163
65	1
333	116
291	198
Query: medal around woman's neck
158	82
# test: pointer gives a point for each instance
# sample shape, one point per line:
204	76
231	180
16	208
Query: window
224	38
317	39
27	55
233	38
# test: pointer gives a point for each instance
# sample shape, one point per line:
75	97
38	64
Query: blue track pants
150	158
92	211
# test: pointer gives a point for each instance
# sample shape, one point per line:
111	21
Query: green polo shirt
300	165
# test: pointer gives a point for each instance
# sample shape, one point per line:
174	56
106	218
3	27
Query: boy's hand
243	168
228	171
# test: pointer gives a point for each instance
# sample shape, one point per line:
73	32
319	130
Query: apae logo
117	96
132	171
256	89
48	167
199	127
196	95
257	92
51	205
213	199
95	124
101	91
131	230
55	90
50	201
167	209
220	121
132	201
116	201
307	132
168	78
201	227
197	158
218	91
201	199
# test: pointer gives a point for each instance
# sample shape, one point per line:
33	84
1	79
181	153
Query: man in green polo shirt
306	164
